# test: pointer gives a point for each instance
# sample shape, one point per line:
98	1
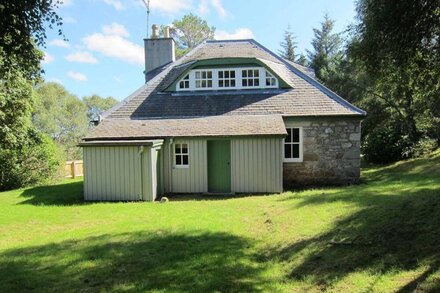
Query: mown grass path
382	235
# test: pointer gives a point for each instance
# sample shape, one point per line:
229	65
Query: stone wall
331	152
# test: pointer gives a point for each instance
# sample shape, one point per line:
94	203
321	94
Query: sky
104	53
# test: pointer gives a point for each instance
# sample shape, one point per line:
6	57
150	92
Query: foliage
62	116
288	45
302	60
35	160
397	44
97	105
378	236
190	31
326	54
22	27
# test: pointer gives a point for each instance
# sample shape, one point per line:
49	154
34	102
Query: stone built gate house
228	117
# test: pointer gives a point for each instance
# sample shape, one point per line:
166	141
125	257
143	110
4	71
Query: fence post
73	169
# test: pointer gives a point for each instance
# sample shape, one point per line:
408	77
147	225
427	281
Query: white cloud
219	8
240	33
47	58
114	45
77	76
59	43
205	6
81	57
115	29
170	6
115	3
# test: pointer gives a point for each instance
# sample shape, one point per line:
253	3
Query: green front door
219	166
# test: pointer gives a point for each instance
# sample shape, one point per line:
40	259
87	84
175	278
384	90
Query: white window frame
180	166
203	79
238	79
300	143
252	78
226	79
183	80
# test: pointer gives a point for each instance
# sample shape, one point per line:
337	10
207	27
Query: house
228	117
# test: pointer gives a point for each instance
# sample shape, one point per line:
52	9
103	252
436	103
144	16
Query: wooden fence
74	169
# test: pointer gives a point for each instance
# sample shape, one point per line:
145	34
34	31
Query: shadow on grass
397	228
60	194
208	197
196	262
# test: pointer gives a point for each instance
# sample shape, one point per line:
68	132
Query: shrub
37	160
385	144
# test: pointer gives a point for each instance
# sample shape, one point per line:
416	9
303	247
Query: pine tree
302	60
326	53
288	45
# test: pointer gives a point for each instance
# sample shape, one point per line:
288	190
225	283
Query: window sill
292	160
181	167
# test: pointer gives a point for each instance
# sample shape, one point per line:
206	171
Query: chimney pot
155	29
167	32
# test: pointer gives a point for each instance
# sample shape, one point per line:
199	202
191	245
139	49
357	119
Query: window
270	79
181	155
203	79
293	145
226	78
184	83
250	78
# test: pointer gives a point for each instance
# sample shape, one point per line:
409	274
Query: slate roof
189	127
307	97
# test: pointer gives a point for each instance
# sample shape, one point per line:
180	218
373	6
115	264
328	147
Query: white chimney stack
158	51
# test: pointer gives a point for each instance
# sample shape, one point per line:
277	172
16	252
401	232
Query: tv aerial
147	5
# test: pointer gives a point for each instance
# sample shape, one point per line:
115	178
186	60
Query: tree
190	31
60	115
97	105
288	45
302	60
23	27
398	44
326	52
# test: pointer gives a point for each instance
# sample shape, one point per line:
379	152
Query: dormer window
184	83
203	79
250	78
227	78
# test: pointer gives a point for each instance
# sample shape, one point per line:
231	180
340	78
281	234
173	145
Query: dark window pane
256	82
198	83
295	134
178	150
203	74
295	151
289	134
251	82
184	148
209	83
226	74
197	74
178	160
220	74
256	73
226	83
267	82
233	74
244	73
220	83
233	83
250	73
287	151
209	74
185	159
244	82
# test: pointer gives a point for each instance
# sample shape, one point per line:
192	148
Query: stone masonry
331	153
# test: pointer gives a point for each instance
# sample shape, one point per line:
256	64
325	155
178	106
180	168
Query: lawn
382	235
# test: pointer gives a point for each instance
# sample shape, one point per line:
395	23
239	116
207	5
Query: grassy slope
382	235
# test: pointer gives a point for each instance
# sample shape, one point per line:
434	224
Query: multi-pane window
203	79
226	78
250	78
292	145
181	155
184	83
270	79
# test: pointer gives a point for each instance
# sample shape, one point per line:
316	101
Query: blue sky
104	52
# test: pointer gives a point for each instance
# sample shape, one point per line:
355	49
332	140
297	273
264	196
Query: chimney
158	51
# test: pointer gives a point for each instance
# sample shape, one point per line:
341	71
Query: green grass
382	235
